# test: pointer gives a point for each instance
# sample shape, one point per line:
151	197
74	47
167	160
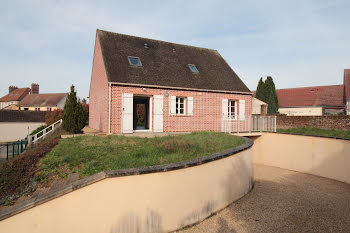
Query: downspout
109	107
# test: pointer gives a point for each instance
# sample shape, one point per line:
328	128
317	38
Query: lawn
89	155
317	132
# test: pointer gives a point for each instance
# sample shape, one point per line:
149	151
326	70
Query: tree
266	91
74	116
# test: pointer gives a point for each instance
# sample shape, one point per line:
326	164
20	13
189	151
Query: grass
317	132
89	155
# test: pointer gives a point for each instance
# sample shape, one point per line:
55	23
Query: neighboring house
147	85
12	99
43	102
259	107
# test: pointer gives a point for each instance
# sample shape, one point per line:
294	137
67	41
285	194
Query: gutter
109	107
178	88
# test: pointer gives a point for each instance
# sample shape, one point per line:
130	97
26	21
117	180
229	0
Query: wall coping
52	194
311	135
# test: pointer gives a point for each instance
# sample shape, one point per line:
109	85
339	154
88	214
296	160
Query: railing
10	149
249	124
34	138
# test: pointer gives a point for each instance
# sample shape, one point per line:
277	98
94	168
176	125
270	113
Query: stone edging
119	173
310	135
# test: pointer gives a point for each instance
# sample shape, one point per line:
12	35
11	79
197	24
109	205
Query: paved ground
284	201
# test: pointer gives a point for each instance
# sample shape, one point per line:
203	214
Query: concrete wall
307	111
257	107
319	156
13	131
155	202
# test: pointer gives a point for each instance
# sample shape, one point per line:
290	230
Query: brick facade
99	93
324	122
207	109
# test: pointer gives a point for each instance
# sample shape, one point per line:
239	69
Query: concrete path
284	201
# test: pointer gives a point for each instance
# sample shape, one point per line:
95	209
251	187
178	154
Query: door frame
150	115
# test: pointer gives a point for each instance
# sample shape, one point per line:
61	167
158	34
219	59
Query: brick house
147	85
12	99
316	101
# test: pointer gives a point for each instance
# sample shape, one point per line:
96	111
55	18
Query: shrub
37	130
74	116
54	116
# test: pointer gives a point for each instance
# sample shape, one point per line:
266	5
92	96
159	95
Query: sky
298	43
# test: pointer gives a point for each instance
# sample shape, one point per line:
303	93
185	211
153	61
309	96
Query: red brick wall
323	122
98	98
207	109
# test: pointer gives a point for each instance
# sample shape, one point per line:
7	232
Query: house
316	101
259	107
12	99
146	85
43	102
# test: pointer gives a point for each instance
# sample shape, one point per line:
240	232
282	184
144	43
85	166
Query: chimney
34	88
12	88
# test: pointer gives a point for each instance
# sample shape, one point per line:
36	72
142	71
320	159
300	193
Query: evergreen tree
74	116
260	90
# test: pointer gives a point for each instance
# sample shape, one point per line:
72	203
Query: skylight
193	68
134	61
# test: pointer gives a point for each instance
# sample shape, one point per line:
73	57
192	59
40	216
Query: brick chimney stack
12	88
34	88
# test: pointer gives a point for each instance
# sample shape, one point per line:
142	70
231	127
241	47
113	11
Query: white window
134	61
193	68
37	109
48	109
180	106
232	109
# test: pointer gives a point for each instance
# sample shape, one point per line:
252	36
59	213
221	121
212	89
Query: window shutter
190	106
172	105
225	108
242	110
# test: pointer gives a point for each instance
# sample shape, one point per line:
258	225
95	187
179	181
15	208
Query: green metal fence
11	149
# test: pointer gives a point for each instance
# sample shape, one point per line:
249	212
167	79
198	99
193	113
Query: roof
166	64
311	96
15	95
347	83
22	116
260	102
42	99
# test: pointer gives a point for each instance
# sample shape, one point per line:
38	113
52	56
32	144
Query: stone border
311	135
16	209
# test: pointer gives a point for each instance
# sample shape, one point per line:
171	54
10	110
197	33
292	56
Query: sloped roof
312	96
166	64
15	95
39	100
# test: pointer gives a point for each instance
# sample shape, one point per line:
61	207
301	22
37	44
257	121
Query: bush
37	130
74	115
54	116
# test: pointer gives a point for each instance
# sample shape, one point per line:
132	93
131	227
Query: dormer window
193	68
134	61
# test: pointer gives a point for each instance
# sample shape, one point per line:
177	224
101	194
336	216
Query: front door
141	113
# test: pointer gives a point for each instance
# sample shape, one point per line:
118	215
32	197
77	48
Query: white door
127	114
158	113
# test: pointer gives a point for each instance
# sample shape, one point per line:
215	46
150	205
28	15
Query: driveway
284	201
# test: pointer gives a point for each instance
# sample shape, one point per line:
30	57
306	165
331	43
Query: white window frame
139	65
177	106
230	114
193	66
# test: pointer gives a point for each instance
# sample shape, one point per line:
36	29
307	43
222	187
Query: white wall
256	106
319	156
13	131
306	111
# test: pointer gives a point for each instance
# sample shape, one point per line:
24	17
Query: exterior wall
323	122
207	109
155	202
257	104
99	93
307	111
42	109
319	156
5	104
348	107
13	131
61	103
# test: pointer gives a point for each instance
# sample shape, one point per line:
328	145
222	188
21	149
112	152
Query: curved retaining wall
321	156
154	199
